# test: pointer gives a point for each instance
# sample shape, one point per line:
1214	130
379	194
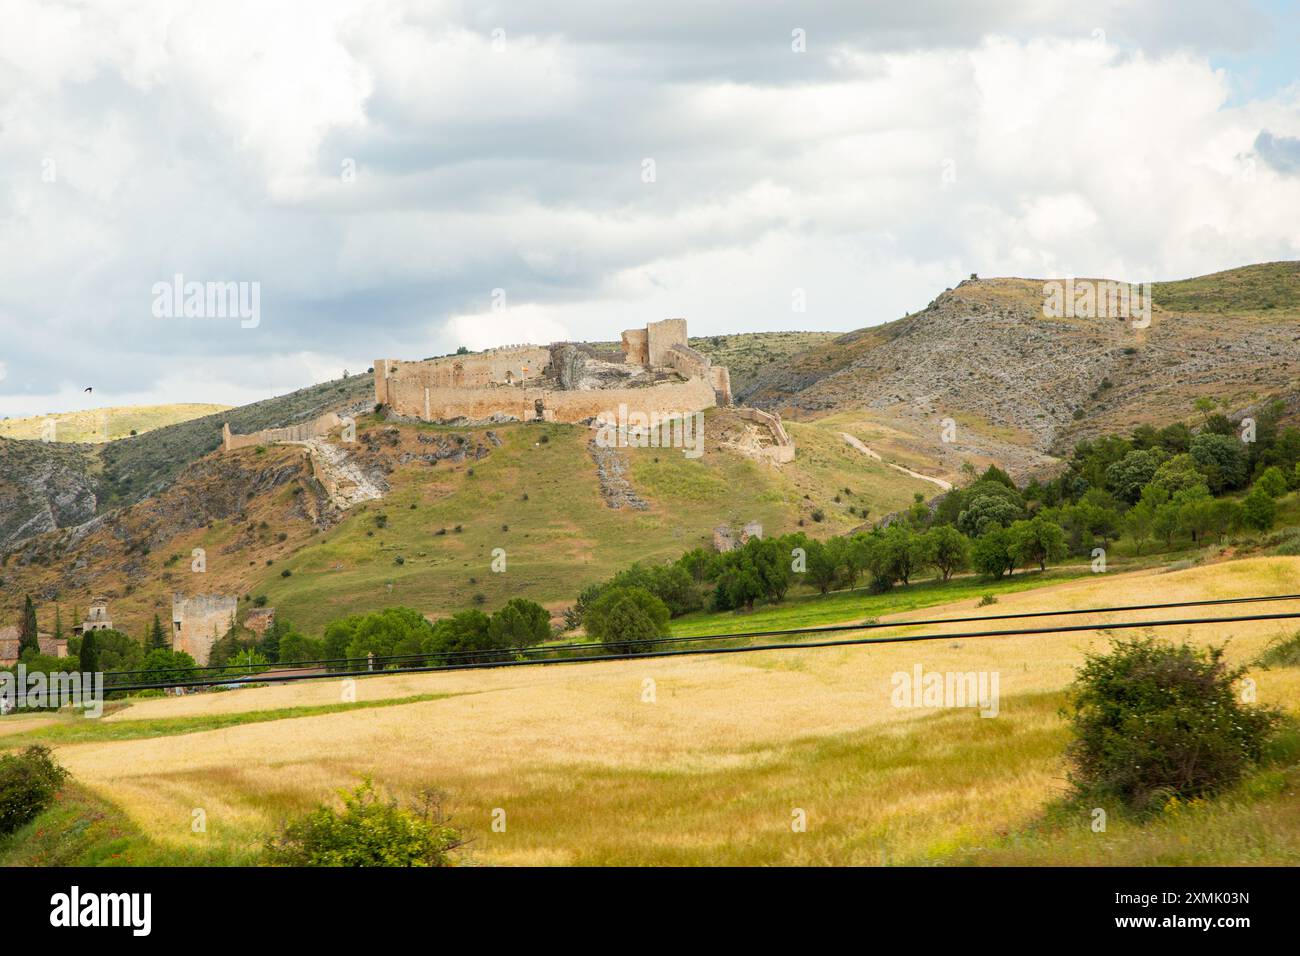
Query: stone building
97	618
11	639
199	621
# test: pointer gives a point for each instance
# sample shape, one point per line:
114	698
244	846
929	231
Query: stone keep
199	621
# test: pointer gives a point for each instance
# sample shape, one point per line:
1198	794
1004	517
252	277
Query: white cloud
906	149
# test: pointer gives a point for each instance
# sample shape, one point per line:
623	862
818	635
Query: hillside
1019	385
45	486
534	490
62	489
105	424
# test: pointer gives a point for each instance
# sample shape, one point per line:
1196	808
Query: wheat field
702	759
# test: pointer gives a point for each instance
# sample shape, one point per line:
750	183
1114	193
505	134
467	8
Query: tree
947	549
627	619
29	633
991	553
1225	516
1178	474
1219	459
988	503
157	639
1037	541
1272	482
822	567
1195	511
520	623
88	654
1139	522
898	554
162	666
1258	510
1126	477
1165	523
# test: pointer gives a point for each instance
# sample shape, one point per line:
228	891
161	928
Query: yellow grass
710	772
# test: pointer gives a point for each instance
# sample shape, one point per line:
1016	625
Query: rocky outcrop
611	469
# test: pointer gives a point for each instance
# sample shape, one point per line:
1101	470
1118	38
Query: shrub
28	783
1154	721
1282	652
368	831
987	599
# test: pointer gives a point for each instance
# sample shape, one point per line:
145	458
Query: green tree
991	553
1272	482
822	567
520	623
29	633
1258	510
947	549
157	639
1037	541
88	653
1220	460
627	619
1126	477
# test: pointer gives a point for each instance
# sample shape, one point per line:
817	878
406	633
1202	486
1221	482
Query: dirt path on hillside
856	443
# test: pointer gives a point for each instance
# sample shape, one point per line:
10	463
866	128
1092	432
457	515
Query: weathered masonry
657	372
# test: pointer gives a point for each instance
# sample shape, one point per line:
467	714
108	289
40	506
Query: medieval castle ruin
656	372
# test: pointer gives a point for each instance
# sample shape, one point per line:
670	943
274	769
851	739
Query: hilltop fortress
655	372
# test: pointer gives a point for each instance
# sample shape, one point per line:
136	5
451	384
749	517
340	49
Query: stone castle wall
505	366
269	436
199	621
530	403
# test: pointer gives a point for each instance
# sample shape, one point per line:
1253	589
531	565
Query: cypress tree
30	632
88	659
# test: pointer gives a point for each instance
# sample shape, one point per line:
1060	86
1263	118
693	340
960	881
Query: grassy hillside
105	424
536	495
1264	288
711	769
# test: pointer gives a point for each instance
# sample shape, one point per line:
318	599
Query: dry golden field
712	767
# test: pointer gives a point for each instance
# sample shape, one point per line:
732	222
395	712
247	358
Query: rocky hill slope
985	357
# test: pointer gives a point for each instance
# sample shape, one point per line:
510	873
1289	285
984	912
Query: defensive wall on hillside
315	428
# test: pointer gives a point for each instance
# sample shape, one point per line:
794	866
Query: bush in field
626	619
1154	721
368	831
28	784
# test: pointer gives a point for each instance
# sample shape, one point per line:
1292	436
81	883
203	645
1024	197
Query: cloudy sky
400	178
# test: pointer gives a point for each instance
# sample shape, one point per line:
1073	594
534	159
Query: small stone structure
97	618
726	539
660	373
199	621
779	448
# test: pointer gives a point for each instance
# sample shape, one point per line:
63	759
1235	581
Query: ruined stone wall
634	347
782	448
269	436
660	339
496	367
521	402
200	620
